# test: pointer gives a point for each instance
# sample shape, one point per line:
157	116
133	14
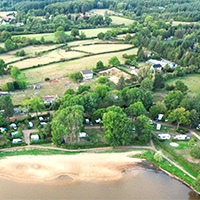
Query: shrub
195	151
47	79
182	130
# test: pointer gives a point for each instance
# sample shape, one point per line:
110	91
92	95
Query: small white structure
87	121
173	144
158	127
160	116
150	122
41	119
198	127
14	126
35	137
83	135
181	137
164	136
98	121
43	124
14	133
30	124
2	129
18	140
87	74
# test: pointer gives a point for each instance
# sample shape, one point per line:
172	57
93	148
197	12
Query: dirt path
27	134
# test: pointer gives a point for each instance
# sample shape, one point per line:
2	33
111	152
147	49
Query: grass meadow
191	80
121	20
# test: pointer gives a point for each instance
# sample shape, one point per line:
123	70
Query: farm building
164	136
159	64
87	74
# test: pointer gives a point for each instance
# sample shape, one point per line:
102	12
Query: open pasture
55	55
5	13
101	11
50	36
191	80
58	70
98	48
29	50
121	20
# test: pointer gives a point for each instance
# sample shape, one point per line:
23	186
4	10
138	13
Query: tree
114	61
143	128
133	95
113	97
173	99
82	35
157	109
91	102
147	84
180	116
2	67
82	88
181	86
99	65
9	45
2	121
159	81
15	72
36	104
121	83
102	79
56	103
196	183
101	90
117	128
6	105
100	35
195	151
194	117
147	100
136	109
140	54
144	72
67	123
158	157
75	32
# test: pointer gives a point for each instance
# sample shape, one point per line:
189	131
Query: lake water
140	184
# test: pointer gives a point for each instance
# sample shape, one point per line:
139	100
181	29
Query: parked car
164	136
30	124
41	119
198	127
14	133
98	121
150	122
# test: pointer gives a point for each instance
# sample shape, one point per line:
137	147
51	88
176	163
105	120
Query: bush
195	151
47	79
40	142
182	130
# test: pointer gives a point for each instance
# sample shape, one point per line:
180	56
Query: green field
192	81
58	70
50	36
100	11
121	20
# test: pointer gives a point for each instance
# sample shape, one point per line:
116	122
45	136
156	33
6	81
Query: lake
138	184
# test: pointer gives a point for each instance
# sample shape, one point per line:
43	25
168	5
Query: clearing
50	36
5	13
191	80
101	11
98	48
58	70
29	50
55	55
121	20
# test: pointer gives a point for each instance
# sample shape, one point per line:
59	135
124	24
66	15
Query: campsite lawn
50	36
159	96
58	70
191	80
121	20
164	129
97	48
54	87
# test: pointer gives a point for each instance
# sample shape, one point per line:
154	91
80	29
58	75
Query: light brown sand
80	167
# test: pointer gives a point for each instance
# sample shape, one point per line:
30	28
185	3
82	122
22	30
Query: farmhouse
48	99
87	74
170	64
159	64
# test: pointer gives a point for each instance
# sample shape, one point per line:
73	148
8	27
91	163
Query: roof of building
88	71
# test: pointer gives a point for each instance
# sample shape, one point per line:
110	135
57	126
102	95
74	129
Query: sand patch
80	167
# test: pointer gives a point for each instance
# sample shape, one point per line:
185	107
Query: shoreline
70	169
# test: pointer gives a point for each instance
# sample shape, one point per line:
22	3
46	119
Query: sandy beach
79	167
